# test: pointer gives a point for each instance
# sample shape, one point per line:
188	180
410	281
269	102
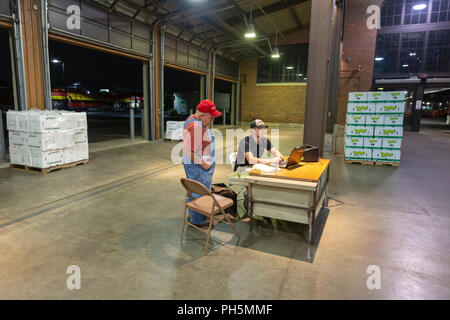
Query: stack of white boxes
374	126
44	139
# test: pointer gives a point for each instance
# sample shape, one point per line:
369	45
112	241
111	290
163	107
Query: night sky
93	69
5	59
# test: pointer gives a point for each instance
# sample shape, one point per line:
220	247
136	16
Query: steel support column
211	74
145	91
322	33
417	110
233	104
45	55
156	81
202	88
19	62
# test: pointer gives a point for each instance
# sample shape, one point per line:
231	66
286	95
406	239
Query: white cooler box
376	96
76	153
43	121
46	159
20	155
393	119
357	96
395	95
18	139
390	107
373	143
44	141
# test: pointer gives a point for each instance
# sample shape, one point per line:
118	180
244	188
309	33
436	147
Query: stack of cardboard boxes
44	139
374	126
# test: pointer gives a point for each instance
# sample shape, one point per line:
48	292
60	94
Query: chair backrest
193	186
233	157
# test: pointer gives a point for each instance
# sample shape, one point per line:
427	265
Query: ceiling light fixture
379	59
290	68
250	27
419	7
275	53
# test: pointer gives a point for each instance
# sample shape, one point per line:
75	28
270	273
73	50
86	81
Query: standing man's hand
206	165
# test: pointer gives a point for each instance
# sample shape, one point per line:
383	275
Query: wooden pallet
364	162
389	164
35	170
374	163
170	140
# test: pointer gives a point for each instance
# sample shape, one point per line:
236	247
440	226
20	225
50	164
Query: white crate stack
44	139
174	130
374	126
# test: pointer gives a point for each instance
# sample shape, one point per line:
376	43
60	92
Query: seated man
251	148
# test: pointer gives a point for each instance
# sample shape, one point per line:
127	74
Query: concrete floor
118	219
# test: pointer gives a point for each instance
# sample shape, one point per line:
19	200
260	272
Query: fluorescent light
405	65
290	68
275	53
412	54
419	6
379	59
250	31
55	61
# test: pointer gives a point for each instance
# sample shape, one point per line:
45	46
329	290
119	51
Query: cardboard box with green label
395	95
374	120
360	107
386	155
390	107
388	132
359	131
356	118
358	154
354	142
376	96
372	143
393	119
357	96
391	143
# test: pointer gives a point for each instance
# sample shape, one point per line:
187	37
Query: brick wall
359	46
273	104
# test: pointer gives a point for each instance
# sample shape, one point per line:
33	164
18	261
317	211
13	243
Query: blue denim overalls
197	173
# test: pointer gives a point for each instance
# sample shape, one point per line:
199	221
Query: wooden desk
295	195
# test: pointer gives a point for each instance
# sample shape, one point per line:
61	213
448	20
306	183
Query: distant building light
405	66
55	61
379	59
419	7
412	54
289	67
104	90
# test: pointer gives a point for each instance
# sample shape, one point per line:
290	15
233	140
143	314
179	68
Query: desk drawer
293	197
283	213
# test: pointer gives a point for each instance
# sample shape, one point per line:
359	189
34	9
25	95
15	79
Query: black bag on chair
222	190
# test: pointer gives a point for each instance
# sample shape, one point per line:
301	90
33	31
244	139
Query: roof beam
271	8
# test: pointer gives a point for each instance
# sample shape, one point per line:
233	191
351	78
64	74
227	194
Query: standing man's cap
257	123
207	106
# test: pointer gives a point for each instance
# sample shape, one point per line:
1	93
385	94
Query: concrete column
321	37
30	21
146	96
202	88
417	113
233	104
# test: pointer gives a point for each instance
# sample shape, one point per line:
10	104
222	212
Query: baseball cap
257	123
207	106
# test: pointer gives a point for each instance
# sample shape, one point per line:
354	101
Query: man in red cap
199	152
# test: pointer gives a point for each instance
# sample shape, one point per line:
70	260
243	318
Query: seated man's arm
253	160
274	152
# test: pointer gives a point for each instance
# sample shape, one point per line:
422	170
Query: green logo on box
359	108
359	153
373	141
355	140
375	118
387	154
392	141
393	118
387	108
388	131
360	130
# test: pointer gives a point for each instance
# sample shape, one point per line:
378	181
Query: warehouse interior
136	67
